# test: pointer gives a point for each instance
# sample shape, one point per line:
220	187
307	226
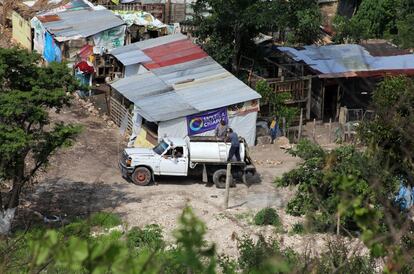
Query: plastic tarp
244	126
109	39
51	51
405	197
140	18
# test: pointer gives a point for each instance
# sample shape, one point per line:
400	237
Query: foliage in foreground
354	191
84	247
351	187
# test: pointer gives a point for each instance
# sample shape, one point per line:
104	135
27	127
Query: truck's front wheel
141	176
219	178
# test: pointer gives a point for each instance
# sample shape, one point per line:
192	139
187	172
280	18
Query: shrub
298	228
104	219
253	255
267	216
265	256
150	236
306	150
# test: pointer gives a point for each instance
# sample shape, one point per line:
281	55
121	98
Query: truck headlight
128	162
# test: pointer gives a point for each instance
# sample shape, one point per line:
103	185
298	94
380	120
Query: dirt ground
85	178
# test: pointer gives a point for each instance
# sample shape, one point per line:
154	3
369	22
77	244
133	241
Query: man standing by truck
235	145
221	129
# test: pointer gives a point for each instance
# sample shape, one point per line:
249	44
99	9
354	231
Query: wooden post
300	124
227	193
284	126
314	130
338	222
308	103
330	130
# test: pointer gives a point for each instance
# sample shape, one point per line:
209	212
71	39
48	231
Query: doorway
330	103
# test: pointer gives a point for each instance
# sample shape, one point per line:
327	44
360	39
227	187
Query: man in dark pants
235	145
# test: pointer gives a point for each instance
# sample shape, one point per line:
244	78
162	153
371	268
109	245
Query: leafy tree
349	30
304	22
405	24
27	136
378	19
228	31
390	134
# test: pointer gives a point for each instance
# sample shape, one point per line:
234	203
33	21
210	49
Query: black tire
141	176
250	178
219	178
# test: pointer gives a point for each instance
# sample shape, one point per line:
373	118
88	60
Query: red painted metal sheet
171	47
173	53
174	61
49	18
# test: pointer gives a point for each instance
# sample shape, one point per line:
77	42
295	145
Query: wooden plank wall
118	113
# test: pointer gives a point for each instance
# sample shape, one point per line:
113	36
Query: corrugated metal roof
173	53
347	60
150	43
196	69
217	91
140	86
130	54
164	107
196	85
195	89
82	23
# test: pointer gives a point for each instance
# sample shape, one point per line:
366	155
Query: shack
179	91
76	29
22	13
342	75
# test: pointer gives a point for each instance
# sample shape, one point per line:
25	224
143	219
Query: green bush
298	228
104	219
267	216
150	236
340	259
306	150
265	256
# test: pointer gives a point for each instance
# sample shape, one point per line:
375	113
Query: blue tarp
334	59
51	51
405	197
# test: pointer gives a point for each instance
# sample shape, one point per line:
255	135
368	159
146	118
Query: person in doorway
235	145
274	129
221	129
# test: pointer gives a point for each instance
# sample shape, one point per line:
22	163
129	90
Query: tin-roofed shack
180	91
75	31
342	75
22	13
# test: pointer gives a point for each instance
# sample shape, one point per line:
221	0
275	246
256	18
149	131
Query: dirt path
85	178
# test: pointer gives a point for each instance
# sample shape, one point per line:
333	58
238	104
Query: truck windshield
160	148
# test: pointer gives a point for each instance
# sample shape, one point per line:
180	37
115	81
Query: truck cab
168	157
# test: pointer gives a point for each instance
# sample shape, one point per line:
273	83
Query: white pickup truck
196	156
